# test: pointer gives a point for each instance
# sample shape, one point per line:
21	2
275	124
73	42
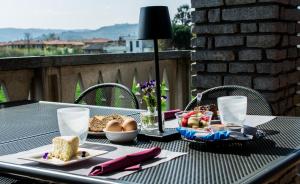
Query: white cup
232	110
74	121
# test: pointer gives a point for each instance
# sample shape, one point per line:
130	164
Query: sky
75	14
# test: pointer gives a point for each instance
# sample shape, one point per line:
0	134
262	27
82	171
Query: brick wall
250	43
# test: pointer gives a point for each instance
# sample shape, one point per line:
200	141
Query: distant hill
111	32
12	34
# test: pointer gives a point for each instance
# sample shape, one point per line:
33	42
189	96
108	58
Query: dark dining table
27	125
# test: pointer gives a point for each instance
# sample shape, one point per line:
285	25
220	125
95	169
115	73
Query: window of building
131	46
137	44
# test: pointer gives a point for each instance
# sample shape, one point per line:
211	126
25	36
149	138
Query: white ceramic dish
120	137
38	157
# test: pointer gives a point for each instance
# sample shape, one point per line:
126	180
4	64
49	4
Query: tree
165	44
181	36
182	28
53	36
27	37
183	15
50	36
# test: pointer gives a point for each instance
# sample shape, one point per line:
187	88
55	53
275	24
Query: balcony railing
55	78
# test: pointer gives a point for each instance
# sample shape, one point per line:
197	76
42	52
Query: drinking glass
232	110
73	121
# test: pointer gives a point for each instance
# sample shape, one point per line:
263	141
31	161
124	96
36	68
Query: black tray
255	133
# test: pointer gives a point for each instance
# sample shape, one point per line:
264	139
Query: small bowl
121	137
180	116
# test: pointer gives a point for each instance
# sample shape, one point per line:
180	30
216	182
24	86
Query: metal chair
257	104
108	94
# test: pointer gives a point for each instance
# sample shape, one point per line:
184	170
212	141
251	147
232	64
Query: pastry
65	147
98	123
114	126
129	124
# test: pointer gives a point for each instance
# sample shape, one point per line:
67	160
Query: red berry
205	118
192	113
184	122
186	116
189	114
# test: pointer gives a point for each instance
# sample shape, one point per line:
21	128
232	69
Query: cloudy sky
75	14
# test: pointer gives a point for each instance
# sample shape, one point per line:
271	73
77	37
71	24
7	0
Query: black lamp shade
154	23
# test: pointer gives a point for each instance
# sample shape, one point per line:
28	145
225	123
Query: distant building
134	45
21	44
125	44
96	41
93	49
62	44
117	46
3	44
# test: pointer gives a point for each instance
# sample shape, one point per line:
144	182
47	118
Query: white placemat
254	120
83	168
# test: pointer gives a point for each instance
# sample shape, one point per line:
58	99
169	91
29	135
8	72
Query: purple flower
143	86
152	83
45	156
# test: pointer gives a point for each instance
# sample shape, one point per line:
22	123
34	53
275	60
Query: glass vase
149	119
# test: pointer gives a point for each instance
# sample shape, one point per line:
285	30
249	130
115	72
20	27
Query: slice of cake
65	147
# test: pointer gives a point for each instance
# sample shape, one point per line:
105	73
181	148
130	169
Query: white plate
38	157
121	137
96	133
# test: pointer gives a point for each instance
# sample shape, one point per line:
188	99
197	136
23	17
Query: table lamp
154	24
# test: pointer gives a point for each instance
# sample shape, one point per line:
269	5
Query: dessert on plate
65	147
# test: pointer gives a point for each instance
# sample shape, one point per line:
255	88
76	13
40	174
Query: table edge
266	173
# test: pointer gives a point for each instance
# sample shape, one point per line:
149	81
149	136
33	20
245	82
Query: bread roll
129	124
114	126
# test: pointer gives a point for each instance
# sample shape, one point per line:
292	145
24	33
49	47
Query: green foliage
166	44
77	90
2	95
9	52
77	50
48	51
164	90
181	36
181	29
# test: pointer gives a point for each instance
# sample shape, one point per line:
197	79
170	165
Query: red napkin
128	162
171	114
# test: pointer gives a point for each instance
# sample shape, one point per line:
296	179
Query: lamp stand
161	135
158	91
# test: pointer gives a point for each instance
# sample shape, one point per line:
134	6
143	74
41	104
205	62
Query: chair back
257	104
108	94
